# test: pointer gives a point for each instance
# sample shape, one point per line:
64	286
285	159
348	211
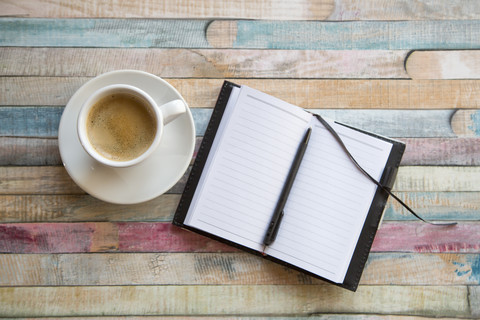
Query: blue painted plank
44	121
317	35
453	206
145	33
359	35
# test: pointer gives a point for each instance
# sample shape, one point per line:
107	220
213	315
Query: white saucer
150	178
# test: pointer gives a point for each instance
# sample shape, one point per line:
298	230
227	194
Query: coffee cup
121	125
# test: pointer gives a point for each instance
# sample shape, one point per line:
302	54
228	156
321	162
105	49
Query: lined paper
247	167
329	202
241	183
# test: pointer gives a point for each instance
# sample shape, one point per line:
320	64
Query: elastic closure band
389	178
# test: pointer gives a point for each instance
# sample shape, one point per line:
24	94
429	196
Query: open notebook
242	166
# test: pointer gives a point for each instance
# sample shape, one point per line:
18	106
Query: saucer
145	181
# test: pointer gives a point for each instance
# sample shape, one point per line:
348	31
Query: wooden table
66	254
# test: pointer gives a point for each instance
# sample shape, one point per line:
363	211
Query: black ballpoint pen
278	213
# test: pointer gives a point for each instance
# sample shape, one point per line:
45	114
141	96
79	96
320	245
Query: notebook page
329	201
247	167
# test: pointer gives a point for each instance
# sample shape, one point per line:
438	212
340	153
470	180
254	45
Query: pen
278	213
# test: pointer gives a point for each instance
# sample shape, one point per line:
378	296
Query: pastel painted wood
33	151
462	64
250	34
126	237
168	33
465	123
223	268
311	93
204	63
169	9
277	10
248	300
20	122
51	180
354	35
453	206
405	10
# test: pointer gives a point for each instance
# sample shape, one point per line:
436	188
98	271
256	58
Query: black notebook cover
372	220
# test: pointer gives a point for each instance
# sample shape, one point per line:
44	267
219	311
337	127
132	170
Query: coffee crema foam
120	127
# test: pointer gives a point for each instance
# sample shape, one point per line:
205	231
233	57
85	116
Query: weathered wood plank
222	269
438	179
453	206
126	33
32	151
276	10
312	93
44	121
354	35
199	9
29	151
78	208
204	63
55	180
405	10
441	151
164	237
245	34
317	316
466	123
451	64
232	300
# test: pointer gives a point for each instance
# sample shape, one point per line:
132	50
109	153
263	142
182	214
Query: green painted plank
451	206
366	35
44	121
355	35
146	33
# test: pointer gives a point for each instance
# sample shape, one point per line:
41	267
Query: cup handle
171	110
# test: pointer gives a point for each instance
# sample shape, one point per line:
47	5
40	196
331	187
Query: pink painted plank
102	237
422	237
164	237
441	151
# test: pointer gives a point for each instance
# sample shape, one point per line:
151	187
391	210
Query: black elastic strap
339	140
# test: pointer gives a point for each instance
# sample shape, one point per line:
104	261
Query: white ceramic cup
162	114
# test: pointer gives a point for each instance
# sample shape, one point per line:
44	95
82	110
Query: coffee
121	127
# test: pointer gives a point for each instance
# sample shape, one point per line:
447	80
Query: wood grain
453	206
405	10
125	237
353	35
251	34
79	208
452	64
199	9
19	122
124	33
465	123
33	151
52	180
311	93
248	300
115	269
204	63
276	10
